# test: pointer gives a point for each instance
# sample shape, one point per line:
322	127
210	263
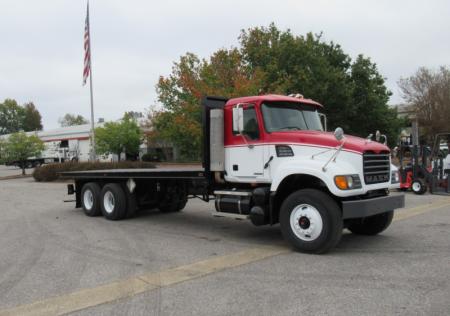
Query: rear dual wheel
90	199
112	201
173	199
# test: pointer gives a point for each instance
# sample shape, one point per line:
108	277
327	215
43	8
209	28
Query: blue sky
134	42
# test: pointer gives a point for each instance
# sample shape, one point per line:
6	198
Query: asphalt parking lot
8	171
55	260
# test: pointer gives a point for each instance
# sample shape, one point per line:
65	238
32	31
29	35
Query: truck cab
283	135
277	156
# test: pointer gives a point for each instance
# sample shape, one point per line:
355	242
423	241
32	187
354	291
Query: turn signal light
348	182
341	182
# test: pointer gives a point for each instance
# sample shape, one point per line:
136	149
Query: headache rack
376	167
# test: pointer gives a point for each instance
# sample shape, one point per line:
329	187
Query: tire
418	186
90	199
113	202
176	206
372	225
174	199
320	216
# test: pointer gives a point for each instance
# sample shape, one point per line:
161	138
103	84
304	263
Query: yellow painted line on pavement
86	298
82	299
421	209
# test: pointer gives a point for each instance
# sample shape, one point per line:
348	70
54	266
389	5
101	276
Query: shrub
51	172
150	157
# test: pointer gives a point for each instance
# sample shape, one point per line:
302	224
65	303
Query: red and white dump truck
267	159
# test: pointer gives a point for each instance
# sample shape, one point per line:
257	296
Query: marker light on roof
296	95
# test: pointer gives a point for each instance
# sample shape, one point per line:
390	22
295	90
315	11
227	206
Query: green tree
179	123
19	147
273	61
32	120
11	117
369	97
118	137
2	151
72	120
354	93
301	64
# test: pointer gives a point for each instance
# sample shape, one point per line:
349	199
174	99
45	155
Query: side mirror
339	134
238	119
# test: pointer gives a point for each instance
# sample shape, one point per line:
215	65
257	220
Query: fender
314	168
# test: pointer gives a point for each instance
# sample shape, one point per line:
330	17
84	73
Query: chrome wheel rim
108	202
306	222
88	199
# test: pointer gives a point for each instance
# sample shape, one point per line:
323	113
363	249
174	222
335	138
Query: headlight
395	176
348	182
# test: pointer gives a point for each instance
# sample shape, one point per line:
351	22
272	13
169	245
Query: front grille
376	167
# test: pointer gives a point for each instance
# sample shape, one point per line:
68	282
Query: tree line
27	118
15	117
270	60
267	60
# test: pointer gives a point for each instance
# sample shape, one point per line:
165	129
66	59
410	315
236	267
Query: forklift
423	167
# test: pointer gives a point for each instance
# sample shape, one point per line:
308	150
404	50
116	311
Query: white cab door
246	161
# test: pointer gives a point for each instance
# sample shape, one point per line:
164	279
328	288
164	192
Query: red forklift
423	167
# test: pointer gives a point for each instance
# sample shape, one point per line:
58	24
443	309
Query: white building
73	143
67	143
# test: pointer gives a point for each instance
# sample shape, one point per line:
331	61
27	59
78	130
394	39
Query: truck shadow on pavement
204	226
383	243
212	228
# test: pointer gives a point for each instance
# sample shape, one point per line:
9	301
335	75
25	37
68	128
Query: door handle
266	165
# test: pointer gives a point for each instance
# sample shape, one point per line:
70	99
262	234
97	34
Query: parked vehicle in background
266	159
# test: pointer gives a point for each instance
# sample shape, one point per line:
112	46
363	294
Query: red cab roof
272	97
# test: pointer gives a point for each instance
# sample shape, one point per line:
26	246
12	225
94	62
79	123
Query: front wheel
419	186
372	225
311	221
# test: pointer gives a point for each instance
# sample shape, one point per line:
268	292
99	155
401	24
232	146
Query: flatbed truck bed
154	173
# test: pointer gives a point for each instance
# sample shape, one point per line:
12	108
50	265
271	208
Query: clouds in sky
136	41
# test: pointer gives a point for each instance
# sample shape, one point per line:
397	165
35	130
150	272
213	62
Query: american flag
87	49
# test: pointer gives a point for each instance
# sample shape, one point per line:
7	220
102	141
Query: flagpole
93	153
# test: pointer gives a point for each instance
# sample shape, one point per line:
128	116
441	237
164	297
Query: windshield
290	116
